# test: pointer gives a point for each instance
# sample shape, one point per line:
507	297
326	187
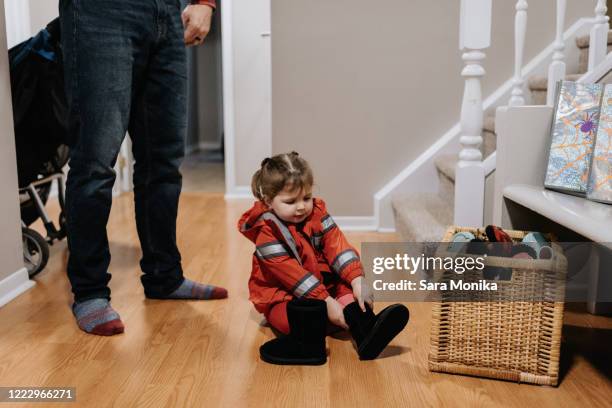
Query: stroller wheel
35	251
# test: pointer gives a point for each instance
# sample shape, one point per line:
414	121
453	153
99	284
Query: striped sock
96	316
194	290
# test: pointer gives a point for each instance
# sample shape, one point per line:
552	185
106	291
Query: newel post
475	36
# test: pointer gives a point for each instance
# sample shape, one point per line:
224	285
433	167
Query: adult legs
97	42
157	127
102	44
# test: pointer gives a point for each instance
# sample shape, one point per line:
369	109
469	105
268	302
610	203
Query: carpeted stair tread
422	217
446	163
584	40
489	123
540	82
489	138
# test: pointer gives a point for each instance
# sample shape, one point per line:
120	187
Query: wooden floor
201	354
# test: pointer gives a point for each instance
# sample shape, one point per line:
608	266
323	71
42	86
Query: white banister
520	28
598	43
556	70
475	35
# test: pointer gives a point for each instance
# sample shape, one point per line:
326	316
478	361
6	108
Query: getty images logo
412	264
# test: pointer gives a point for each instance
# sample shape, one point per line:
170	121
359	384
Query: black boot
305	344
372	333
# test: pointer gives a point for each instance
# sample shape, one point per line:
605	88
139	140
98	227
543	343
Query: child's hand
335	312
362	299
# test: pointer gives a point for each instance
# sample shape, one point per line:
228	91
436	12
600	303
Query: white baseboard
14	285
203	147
209	146
387	230
239	192
358	223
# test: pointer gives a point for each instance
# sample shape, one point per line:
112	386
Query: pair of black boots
305	344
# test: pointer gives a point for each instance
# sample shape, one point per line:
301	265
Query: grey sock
96	316
200	291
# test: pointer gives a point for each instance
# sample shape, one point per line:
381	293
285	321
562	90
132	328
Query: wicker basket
503	339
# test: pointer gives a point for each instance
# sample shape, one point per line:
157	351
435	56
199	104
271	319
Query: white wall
247	86
17	21
362	89
25	18
11	255
10	239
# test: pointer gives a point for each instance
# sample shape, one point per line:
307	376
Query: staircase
424	217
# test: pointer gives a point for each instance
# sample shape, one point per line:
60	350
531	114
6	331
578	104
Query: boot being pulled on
305	343
372	333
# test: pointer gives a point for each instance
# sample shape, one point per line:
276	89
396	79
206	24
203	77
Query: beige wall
361	89
11	257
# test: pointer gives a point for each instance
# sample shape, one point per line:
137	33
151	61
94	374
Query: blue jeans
125	70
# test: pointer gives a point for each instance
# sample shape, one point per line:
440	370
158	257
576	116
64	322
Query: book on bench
574	126
599	187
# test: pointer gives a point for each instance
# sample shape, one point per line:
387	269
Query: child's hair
280	171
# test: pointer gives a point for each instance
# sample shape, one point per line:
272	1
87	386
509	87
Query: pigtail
256	185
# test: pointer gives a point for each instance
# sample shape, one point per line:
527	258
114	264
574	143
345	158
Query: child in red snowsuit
305	273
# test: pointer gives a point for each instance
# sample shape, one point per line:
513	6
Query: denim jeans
125	70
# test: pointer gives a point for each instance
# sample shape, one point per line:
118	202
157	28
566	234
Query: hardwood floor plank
190	353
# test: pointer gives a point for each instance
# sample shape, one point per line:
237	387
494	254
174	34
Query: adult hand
196	20
335	312
360	297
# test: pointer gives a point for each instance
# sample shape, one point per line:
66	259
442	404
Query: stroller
40	117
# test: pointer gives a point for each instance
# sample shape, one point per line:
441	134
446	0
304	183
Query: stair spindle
598	44
520	28
472	115
556	70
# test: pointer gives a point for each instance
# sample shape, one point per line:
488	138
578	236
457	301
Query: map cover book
600	178
573	133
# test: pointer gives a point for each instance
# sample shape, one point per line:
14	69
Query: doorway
203	168
238	68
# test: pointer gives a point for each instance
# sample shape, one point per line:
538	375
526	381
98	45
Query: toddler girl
305	273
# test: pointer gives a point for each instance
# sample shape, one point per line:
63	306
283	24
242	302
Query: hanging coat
294	260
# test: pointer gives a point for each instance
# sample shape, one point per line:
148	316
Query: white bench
521	202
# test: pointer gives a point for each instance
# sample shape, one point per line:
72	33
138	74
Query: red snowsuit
311	259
